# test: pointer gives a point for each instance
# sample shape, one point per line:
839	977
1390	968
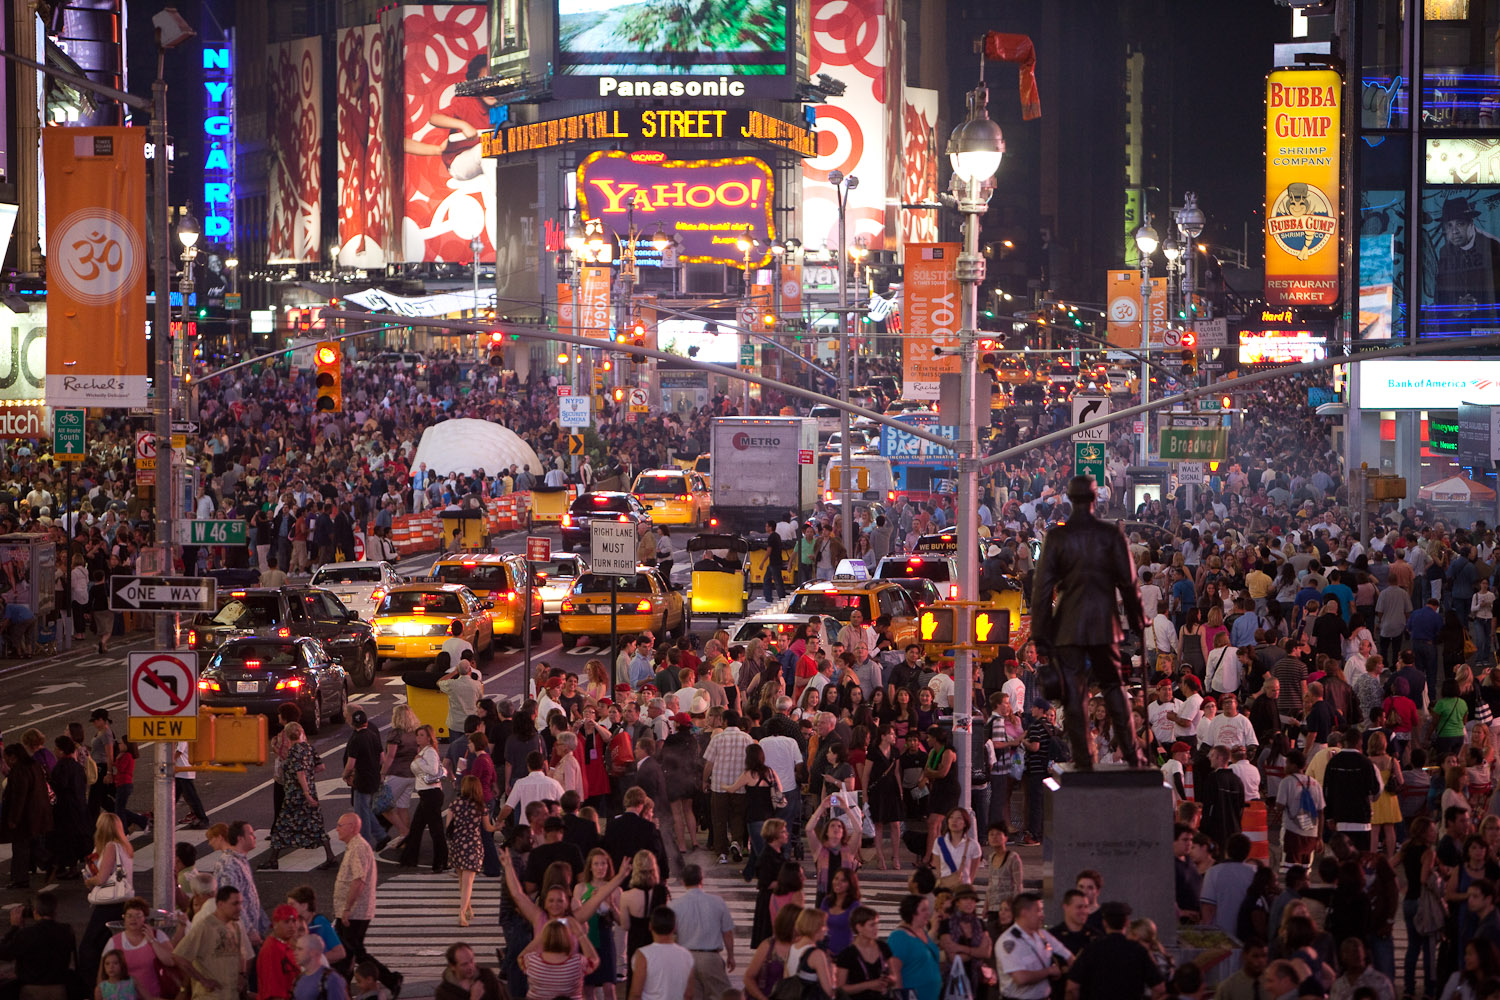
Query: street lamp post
1146	242
974	149
841	187
747	244
188	232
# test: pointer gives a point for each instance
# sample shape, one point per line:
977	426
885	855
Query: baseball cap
683	719
286	911
1181	747
358	717
1042	704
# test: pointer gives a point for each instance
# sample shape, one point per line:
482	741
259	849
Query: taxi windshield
598	583
250	611
826	602
420	602
936	570
327	577
660	483
485	576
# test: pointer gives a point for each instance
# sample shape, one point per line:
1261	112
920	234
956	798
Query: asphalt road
49	693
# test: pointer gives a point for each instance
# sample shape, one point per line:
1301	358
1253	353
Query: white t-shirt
1161	726
1289	797
963	852
941	687
1190	708
1017	691
783	754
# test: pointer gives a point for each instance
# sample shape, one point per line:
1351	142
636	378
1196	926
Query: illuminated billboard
364	155
1303	131
447	186
708	205
672	48
1281	347
698	340
294	199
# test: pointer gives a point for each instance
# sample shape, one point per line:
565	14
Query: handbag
958	982
115	889
1432	910
778	797
384	801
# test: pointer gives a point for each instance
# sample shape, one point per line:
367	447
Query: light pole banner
1303	129
96	242
593	303
1123	296
930	315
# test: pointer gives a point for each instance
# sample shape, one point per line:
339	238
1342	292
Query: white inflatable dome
464	445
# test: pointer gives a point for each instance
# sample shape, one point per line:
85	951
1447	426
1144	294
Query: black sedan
262	673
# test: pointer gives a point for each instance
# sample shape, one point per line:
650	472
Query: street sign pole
614	618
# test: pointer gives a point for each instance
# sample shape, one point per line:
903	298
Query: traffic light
330	360
497	351
767	319
304	320
1226	402
1189	361
936	624
1189	340
637	339
619	395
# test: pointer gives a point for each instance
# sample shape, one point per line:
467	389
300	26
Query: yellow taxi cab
852	590
504	579
673	496
413	620
642	601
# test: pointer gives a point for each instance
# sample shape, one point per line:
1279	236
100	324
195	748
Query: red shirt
125	769
276	969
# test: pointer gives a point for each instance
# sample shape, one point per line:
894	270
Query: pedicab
718	585
548	505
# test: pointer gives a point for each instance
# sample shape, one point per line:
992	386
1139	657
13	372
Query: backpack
1307	803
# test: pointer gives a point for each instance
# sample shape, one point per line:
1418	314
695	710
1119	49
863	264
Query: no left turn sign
162	692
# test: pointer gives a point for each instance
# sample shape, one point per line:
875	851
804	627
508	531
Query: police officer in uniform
1031	961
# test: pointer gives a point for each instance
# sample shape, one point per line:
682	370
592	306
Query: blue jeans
370	825
979	801
1483	629
792	813
1000	792
1415	943
772	580
1383	955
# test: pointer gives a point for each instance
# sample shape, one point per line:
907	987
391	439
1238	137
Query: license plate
658	503
246	687
601	609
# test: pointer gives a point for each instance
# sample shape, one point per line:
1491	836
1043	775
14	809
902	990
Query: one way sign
161	593
1087	408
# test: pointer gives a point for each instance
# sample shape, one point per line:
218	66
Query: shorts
1297	846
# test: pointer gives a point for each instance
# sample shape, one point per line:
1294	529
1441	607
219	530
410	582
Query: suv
608	504
291	611
941	570
407	360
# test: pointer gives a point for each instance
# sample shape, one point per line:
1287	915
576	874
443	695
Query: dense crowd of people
1342	687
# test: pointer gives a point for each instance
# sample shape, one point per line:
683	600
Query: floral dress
465	846
300	822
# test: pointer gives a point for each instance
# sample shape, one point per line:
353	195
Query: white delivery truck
763	467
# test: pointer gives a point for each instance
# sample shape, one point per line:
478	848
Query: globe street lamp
974	151
1146	242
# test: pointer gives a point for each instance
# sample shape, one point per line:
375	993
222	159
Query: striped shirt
546	980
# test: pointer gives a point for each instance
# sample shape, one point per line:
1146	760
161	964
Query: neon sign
218	141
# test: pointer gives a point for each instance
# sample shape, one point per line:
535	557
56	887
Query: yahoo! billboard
707	205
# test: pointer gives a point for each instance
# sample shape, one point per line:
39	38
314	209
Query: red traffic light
496	337
327	355
1189	339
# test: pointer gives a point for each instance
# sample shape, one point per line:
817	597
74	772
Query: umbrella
1457	489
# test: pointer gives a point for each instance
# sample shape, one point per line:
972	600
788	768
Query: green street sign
216	533
67	435
1088	459
1194	444
747	355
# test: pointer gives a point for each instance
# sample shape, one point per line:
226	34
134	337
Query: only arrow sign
1089	409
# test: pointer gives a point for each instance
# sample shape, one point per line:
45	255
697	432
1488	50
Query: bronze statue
1083	563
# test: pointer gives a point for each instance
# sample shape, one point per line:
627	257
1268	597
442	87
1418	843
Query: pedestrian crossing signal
936	625
330	377
984	627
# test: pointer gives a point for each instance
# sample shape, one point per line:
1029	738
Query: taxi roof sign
852	569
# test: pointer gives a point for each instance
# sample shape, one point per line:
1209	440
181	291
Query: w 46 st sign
1192	444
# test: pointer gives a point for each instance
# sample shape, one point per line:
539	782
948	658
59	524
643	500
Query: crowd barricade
1253	826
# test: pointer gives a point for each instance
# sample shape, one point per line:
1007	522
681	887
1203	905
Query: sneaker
736	853
723	859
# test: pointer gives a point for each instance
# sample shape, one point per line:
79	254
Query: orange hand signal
983	626
929	626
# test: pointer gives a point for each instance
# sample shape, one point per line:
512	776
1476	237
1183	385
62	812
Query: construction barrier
1253	826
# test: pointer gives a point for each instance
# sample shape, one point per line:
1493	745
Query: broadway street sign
1194	444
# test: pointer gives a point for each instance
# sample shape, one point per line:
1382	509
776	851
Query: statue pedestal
1118	822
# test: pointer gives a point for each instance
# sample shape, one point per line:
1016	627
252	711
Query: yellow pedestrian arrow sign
575	444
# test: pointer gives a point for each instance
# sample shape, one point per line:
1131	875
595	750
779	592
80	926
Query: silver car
359	585
555	578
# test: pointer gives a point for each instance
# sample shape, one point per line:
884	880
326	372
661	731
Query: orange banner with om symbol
96	266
